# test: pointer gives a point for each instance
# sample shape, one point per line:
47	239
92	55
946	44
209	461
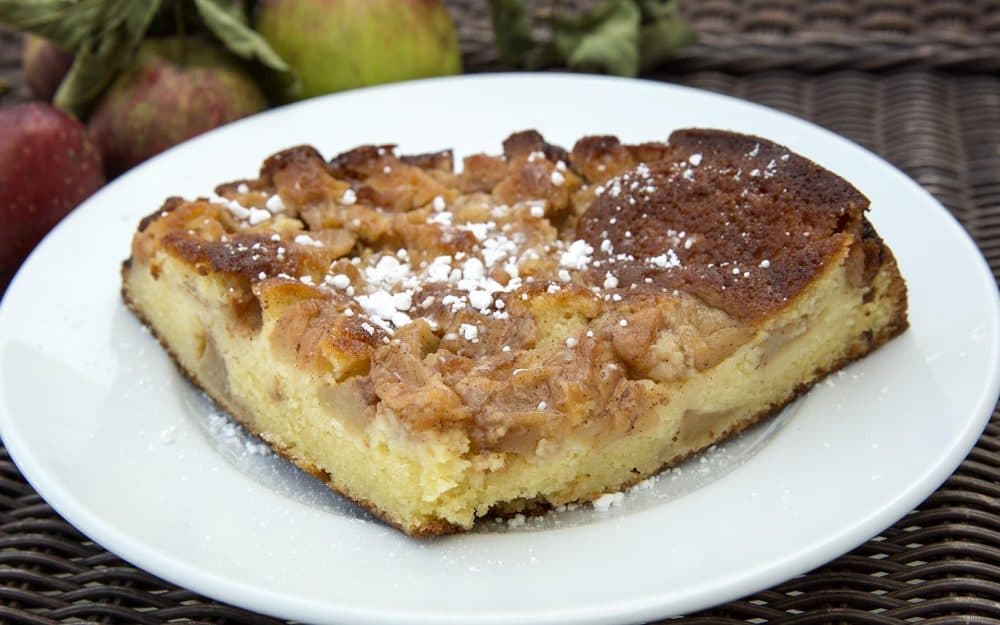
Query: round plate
104	427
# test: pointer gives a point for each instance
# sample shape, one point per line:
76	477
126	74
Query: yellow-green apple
334	45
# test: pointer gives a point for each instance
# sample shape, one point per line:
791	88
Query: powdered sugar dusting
606	501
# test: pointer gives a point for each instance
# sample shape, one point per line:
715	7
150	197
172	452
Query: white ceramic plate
106	430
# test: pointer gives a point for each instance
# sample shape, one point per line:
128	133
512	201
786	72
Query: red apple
48	165
175	89
45	65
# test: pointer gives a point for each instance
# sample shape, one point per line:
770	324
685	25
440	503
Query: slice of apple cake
540	328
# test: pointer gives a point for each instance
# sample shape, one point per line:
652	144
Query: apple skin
45	65
334	45
48	165
167	95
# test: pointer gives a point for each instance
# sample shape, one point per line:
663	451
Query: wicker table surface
916	82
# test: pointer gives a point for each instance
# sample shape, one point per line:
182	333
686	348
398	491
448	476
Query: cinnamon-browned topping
744	223
246	255
471	299
527	141
360	162
482	172
171	204
440	161
288	158
601	157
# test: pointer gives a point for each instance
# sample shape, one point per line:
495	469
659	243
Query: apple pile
148	75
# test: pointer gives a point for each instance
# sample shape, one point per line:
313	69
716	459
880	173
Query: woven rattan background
916	83
749	36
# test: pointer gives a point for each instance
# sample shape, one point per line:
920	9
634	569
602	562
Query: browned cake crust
706	239
743	211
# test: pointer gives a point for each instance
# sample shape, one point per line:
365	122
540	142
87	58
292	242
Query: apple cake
541	327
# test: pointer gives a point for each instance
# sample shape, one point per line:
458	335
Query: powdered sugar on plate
252	456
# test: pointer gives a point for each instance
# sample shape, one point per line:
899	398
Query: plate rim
236	593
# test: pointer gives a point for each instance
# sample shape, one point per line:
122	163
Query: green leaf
662	33
228	26
235	8
512	31
605	39
617	36
115	35
68	23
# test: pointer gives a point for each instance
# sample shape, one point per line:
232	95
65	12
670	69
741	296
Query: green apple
334	45
175	89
